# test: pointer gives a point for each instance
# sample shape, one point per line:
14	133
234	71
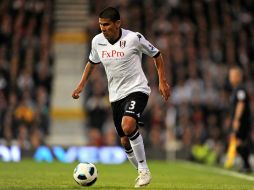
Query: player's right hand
76	92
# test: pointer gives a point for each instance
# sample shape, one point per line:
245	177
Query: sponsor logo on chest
112	54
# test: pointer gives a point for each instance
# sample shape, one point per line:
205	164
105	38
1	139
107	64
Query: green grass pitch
166	175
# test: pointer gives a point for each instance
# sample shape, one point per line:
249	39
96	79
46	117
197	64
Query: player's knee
128	124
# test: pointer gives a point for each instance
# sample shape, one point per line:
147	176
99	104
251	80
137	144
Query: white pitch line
224	171
233	174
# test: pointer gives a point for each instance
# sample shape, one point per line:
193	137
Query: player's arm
147	48
238	113
164	88
86	73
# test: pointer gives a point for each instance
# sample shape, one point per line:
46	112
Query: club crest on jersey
122	43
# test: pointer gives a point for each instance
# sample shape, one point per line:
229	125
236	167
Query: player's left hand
165	90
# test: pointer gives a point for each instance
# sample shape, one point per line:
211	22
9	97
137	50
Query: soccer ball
85	174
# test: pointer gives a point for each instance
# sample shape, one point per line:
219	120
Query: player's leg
129	152
131	130
118	111
244	152
243	147
134	106
136	141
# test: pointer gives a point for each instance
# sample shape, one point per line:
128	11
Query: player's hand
165	90
76	92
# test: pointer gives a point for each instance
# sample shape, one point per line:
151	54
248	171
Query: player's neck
117	38
237	85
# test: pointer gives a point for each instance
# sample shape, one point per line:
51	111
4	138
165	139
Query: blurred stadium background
44	46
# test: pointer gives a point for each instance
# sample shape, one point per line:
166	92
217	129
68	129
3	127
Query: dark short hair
110	13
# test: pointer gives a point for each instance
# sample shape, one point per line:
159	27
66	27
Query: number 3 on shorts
132	105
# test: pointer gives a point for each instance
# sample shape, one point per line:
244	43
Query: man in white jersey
120	51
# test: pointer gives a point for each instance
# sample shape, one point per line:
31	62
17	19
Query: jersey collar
120	35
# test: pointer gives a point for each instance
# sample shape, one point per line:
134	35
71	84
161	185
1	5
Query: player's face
234	77
110	29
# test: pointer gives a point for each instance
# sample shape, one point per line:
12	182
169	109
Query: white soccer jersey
122	62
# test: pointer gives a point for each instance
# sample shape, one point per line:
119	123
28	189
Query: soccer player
120	51
240	116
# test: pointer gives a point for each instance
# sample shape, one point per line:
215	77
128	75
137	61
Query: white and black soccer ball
85	174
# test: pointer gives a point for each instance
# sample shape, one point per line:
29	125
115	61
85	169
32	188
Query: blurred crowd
26	62
199	41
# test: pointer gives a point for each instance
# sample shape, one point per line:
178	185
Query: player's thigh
118	111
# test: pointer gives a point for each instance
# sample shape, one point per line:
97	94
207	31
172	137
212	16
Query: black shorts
244	132
133	105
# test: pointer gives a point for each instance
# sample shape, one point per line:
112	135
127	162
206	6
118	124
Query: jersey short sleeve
241	95
93	56
145	46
